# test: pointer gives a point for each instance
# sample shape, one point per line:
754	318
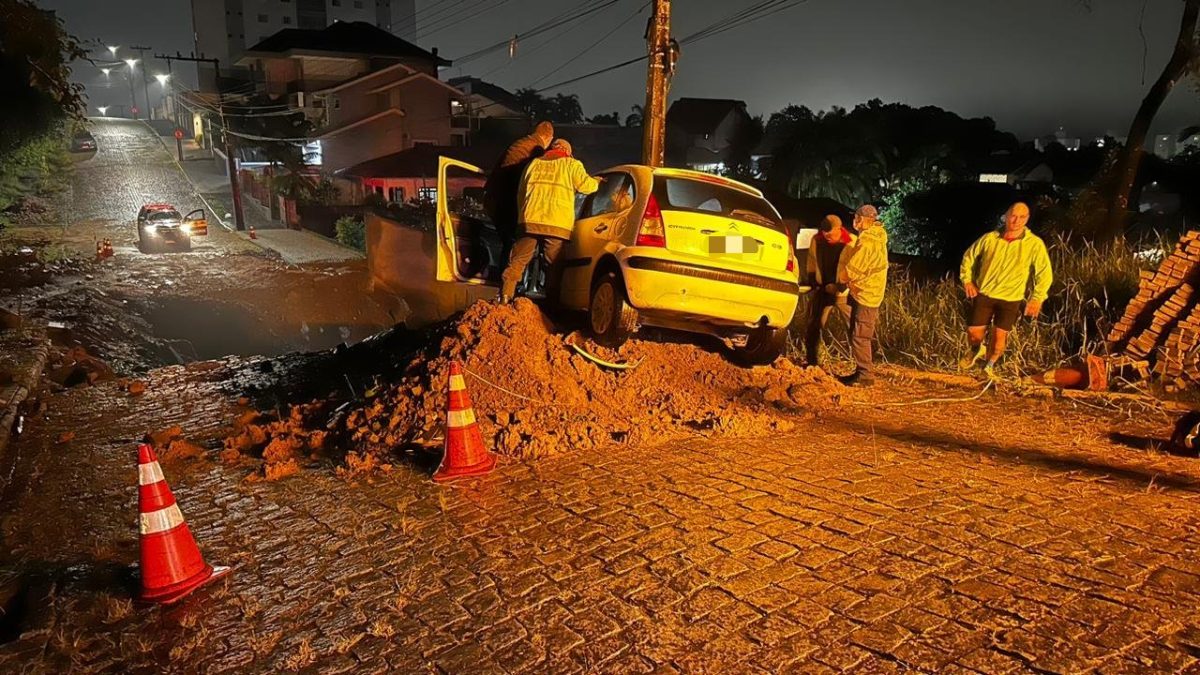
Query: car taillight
652	232
791	264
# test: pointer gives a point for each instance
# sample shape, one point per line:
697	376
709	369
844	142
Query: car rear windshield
691	194
163	215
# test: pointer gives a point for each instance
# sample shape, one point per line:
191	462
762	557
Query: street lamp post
113	50
132	96
163	78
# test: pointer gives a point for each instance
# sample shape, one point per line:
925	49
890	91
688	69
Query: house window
337	103
262	18
416	143
337	3
396	195
287	20
358	4
427	194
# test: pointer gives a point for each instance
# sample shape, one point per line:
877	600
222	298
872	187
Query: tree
36	53
561	108
611	119
1185	60
739	157
634	119
292	178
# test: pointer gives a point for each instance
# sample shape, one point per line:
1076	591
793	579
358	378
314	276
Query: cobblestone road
999	535
865	541
225	296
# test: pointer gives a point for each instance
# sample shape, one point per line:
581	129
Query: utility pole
145	78
663	53
235	186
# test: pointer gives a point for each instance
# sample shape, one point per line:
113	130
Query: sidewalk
299	247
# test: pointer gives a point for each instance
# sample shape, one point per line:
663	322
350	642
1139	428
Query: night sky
1032	65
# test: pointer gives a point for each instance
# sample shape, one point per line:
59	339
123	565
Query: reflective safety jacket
547	194
864	266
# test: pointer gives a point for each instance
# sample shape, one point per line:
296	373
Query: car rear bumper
710	295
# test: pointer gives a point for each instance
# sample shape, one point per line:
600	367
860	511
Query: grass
923	322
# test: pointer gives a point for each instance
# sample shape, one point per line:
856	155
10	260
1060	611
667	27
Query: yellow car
669	248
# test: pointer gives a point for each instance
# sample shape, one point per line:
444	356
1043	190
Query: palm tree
634	119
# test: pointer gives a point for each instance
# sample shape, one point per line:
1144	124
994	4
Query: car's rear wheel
610	317
763	346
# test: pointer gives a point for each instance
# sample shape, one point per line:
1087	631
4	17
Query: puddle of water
199	330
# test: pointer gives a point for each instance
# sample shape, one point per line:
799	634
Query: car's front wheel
610	317
763	346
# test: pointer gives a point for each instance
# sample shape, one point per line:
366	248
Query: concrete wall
400	260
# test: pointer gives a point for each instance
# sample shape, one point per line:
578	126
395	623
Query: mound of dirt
534	396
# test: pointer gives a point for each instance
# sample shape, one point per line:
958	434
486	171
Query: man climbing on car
547	214
500	191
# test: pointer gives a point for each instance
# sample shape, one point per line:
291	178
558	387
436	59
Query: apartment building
224	28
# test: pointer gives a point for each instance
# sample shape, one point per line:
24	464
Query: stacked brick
1162	322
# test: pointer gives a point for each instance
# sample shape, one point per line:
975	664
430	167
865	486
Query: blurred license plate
732	244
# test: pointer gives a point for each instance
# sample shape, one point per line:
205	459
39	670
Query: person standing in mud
828	295
500	191
863	268
547	214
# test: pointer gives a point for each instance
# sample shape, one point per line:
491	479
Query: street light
103	110
113	51
106	71
162	78
132	99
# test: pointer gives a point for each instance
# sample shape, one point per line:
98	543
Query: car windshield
690	194
169	214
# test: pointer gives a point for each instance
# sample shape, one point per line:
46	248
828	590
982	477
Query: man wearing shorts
995	274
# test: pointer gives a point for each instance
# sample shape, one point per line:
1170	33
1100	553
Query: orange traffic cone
465	455
252	234
172	565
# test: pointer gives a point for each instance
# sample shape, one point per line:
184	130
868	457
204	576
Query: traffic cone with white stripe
172	565
465	455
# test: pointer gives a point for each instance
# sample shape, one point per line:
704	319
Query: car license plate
732	244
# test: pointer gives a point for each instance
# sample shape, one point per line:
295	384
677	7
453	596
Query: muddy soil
533	395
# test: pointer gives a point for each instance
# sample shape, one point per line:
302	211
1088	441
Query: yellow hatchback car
669	248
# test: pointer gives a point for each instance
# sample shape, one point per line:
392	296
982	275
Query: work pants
522	253
821	306
862	336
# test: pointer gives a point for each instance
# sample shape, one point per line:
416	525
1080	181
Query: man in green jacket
863	268
995	274
546	214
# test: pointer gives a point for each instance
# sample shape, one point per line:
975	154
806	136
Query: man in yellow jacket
995	274
547	214
863	268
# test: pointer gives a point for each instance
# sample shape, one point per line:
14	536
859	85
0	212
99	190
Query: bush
351	232
923	323
36	168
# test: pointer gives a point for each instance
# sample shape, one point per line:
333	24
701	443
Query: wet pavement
995	535
225	296
861	542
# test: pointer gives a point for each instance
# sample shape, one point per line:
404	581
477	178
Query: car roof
690	175
159	206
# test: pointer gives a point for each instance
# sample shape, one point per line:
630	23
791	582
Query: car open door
468	247
197	223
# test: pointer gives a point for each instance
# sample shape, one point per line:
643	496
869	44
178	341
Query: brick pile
1162	322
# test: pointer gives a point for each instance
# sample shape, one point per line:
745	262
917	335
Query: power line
592	46
536	30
